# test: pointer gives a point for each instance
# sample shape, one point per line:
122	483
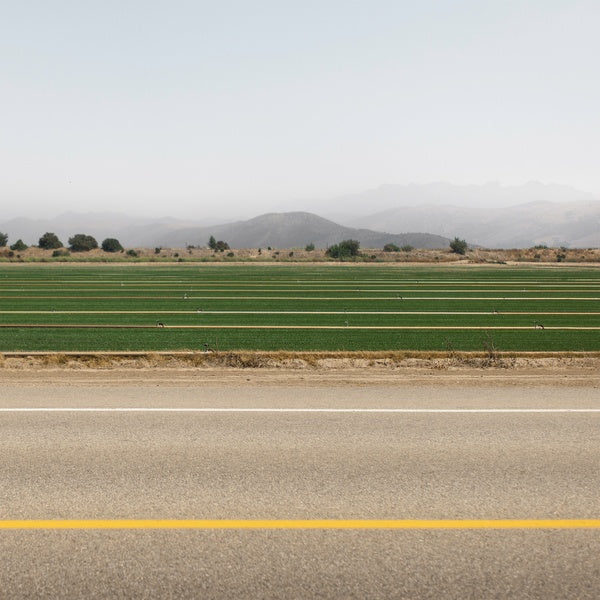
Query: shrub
407	248
458	246
309	247
57	253
221	246
391	248
157	250
111	245
82	243
344	249
230	254
49	241
3	239
19	245
131	252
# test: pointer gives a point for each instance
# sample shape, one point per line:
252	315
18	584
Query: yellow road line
302	524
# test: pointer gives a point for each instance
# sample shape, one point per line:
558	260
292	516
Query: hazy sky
195	107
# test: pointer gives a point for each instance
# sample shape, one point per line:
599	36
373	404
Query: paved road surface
299	465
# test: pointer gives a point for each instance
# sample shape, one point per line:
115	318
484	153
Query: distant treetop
82	243
50	241
112	245
458	246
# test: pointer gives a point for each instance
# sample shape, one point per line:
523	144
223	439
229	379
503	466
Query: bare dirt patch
283	368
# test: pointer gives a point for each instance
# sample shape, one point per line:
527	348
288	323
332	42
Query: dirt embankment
588	362
474	256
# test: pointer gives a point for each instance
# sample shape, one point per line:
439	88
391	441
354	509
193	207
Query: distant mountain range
278	230
490	195
295	230
491	216
575	224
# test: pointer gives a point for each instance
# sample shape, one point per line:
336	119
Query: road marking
149	409
301	524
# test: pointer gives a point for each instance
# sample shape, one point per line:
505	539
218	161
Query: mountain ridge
296	229
278	230
532	214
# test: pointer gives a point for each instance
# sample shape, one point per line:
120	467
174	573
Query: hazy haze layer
196	109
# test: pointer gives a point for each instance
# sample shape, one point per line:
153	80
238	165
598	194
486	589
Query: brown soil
305	369
350	365
476	256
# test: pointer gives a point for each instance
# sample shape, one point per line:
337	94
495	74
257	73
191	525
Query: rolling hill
294	230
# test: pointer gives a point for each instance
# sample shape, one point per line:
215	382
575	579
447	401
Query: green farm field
86	308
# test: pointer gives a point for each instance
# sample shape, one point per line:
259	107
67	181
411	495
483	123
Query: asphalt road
299	465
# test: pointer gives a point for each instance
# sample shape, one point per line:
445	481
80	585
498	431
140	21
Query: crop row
140	297
304	319
271	274
295	339
491	305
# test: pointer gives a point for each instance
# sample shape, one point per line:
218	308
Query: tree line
80	242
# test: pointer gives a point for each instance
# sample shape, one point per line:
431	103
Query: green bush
309	247
111	245
345	249
391	248
19	245
49	241
458	246
82	243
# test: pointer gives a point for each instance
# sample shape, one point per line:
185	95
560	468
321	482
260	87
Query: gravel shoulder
342	372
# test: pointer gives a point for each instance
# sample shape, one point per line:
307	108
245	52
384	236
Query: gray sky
196	108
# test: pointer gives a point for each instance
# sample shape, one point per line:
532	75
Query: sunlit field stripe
307	299
184	290
318	327
320	283
285	312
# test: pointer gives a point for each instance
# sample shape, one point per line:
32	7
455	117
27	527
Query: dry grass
370	255
298	360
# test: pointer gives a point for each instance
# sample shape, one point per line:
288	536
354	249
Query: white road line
296	410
